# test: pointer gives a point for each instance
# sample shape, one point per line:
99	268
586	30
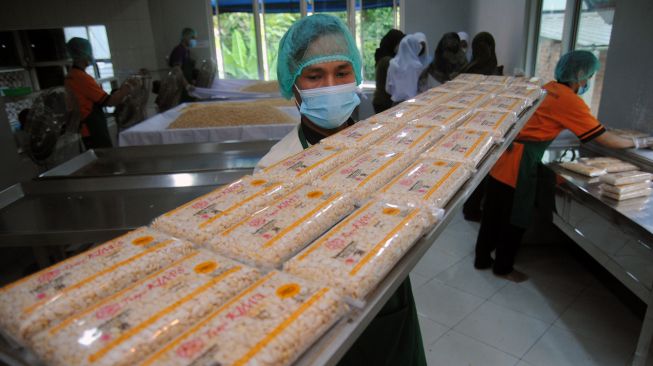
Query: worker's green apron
526	189
393	337
97	128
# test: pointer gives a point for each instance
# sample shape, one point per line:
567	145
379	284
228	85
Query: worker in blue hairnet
512	182
320	66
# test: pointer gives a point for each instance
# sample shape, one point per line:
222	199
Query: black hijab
448	60
484	57
388	44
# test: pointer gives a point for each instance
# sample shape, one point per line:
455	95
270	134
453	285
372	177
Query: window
247	48
549	45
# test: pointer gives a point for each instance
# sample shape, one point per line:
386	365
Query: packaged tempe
485	89
496	123
428	98
133	323
625	188
529	93
629	195
617	179
366	173
413	138
44	298
466	146
276	232
272	322
444	117
465	100
361	134
583	169
498	79
470	78
611	165
402	112
357	254
431	182
502	103
455	86
307	164
527	81
199	219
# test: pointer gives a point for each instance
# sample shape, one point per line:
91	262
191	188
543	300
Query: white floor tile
503	328
417	280
524	363
455	349
464	276
562	347
431	331
457	243
542	302
443	304
434	261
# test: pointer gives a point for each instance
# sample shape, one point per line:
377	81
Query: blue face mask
193	43
329	107
584	88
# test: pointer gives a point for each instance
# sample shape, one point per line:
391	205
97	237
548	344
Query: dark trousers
496	232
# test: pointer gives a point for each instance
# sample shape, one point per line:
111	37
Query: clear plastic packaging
598	159
626	196
611	165
527	81
443	117
308	164
455	86
466	146
199	219
42	299
496	123
412	138
485	89
470	78
428	98
356	254
626	188
617	179
465	100
272	322
428	181
366	173
128	326
529	93
583	169
504	104
361	134
402	112
498	79
276	232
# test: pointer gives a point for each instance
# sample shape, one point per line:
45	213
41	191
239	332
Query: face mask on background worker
329	107
584	88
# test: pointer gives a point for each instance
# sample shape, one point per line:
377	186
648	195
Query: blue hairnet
80	48
576	66
312	40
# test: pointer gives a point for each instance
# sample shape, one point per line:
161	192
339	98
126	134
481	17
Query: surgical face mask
329	107
192	43
583	89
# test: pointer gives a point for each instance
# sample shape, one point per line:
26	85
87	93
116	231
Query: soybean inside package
465	100
131	324
617	179
272	322
428	181
498	79
413	138
442	116
626	196
403	112
502	103
356	254
360	134
470	78
429	97
276	232
485	89
43	299
467	146
496	123
455	86
366	173
625	188
611	165
308	164
529	93
200	219
583	169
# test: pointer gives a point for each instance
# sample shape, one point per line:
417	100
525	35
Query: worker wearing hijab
484	57
319	65
406	67
464	44
512	182
90	97
386	51
448	61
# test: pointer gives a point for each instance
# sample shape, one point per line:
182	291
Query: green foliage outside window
375	23
238	45
276	26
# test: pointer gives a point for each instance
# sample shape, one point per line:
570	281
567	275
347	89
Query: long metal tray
335	343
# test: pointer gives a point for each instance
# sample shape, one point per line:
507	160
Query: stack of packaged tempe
254	272
626	185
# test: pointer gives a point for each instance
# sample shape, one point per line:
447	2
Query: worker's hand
642	142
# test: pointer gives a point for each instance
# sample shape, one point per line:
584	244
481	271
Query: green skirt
393	337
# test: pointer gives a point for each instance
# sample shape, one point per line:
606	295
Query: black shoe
483	264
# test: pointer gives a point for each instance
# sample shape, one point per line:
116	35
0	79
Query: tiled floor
561	316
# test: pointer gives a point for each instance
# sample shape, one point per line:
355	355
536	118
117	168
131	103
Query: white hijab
405	68
465	37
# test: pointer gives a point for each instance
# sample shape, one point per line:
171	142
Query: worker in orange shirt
511	188
90	97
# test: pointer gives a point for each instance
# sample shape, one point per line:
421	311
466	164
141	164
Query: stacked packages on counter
254	272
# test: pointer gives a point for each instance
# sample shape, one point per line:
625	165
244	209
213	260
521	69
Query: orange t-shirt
87	91
561	109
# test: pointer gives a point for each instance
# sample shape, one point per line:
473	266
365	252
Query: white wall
127	21
507	21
